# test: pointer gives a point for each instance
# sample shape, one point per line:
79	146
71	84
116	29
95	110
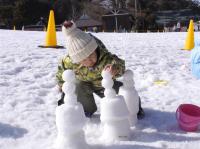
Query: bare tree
77	8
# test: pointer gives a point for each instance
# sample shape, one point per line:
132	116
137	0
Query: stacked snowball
130	95
70	117
114	112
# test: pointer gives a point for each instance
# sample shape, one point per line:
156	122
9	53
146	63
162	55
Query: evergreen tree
67	9
6	15
28	12
62	10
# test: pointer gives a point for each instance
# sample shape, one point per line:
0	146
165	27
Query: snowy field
28	91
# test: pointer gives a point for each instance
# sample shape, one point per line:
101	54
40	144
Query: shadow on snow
8	131
156	126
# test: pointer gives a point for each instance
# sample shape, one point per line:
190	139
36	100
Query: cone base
56	47
186	49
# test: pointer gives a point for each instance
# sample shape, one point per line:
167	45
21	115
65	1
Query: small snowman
70	117
114	112
130	95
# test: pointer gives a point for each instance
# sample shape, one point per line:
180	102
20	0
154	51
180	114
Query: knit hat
79	44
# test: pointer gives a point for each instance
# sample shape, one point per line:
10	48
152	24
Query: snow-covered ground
28	92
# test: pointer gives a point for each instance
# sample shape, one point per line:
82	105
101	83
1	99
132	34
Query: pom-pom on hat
79	44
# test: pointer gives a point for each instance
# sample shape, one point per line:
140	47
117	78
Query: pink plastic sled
188	117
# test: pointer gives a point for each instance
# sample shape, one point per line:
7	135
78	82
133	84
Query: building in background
117	20
86	23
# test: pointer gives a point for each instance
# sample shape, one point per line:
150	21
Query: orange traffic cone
51	41
189	43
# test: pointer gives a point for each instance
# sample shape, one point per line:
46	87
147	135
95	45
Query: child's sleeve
59	73
118	64
111	58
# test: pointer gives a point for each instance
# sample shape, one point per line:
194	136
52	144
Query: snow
29	93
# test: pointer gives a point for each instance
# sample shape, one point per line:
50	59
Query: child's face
90	60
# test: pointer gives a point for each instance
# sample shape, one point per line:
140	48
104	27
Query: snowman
114	112
70	117
130	95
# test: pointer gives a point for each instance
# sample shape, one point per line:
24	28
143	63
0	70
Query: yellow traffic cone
51	41
189	43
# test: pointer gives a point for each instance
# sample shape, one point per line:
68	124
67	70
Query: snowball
107	83
69	119
70	99
129	84
68	88
128	75
106	74
68	76
131	98
114	109
109	93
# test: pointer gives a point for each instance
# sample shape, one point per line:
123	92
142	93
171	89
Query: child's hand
112	69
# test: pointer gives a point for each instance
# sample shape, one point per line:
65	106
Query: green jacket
91	75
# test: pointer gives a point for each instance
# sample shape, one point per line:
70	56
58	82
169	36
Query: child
88	57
